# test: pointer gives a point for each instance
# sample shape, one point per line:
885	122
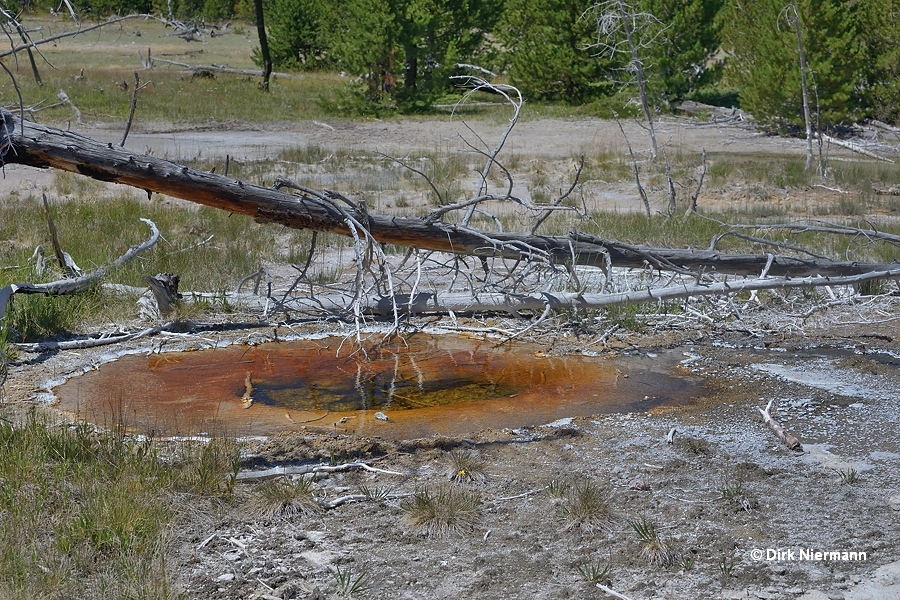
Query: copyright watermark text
806	554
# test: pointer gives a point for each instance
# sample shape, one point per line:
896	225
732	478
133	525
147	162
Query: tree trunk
638	66
807	117
41	146
263	44
411	67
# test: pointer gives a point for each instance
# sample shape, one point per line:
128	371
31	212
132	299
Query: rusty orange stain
424	385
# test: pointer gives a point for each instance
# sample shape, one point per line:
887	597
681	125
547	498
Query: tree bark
638	66
263	44
41	146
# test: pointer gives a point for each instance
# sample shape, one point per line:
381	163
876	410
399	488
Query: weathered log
498	302
37	145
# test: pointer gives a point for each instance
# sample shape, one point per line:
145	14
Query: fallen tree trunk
462	303
41	146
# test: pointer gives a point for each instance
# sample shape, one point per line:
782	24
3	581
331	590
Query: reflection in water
424	384
394	380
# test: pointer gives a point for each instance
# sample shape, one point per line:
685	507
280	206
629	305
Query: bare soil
738	514
550	147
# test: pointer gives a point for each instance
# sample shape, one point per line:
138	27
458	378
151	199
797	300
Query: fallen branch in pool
789	440
76	284
310	469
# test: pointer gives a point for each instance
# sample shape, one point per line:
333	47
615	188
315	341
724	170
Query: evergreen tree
679	62
298	32
410	48
880	38
547	50
764	59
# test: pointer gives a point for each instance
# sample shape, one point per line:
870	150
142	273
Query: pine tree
680	61
764	63
880	40
410	48
298	32
547	51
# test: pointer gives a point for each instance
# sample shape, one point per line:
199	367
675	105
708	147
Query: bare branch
137	88
69	286
635	170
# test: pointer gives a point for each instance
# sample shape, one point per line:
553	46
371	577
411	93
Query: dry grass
466	466
654	549
442	511
588	506
285	499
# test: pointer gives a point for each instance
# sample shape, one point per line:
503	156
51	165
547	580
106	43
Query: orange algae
419	386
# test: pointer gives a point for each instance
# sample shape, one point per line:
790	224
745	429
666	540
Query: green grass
349	582
594	572
210	249
109	57
91	514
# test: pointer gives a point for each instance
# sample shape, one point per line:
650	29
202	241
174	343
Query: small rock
894	502
225	577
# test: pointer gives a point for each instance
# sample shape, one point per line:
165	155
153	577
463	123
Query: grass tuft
588	506
350	583
654	548
442	511
376	494
594	572
558	489
467	466
286	499
848	476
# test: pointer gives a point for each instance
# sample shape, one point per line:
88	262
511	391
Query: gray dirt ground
835	389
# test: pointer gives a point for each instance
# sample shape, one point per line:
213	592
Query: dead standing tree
621	28
793	18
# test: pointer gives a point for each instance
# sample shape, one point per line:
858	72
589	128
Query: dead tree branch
134	94
692	207
636	170
789	440
44	147
284	470
76	284
514	98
